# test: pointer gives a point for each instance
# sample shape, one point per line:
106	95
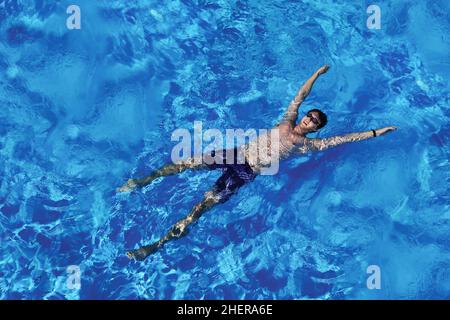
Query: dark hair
322	117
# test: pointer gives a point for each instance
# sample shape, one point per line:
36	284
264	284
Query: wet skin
294	138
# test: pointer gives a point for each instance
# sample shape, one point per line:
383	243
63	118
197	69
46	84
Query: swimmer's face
310	122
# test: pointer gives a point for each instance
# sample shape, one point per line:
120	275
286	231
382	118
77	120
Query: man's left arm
326	143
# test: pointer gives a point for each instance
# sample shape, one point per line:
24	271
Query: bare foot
129	186
142	253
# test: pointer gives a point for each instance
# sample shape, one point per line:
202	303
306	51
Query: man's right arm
292	111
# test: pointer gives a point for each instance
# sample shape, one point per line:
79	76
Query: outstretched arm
326	143
292	111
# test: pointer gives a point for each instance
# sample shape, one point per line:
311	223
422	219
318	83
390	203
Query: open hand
127	187
385	130
323	69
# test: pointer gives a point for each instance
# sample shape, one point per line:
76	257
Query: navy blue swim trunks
235	174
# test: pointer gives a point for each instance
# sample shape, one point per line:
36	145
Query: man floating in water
290	139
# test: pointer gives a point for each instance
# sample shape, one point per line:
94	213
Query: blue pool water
81	111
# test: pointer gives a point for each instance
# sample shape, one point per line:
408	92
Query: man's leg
179	229
167	170
224	188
